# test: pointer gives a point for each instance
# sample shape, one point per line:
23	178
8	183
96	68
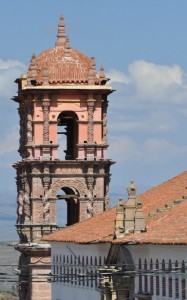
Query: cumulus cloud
7	64
117	76
151	150
147	82
9	71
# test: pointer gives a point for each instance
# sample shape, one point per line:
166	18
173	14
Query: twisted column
20	202
26	200
105	121
90	104
90	185
46	204
22	139
46	106
29	123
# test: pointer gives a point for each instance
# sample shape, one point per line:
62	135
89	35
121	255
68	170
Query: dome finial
61	36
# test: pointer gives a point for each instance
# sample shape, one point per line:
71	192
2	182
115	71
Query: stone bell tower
61	96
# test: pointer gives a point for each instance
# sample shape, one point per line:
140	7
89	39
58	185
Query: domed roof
62	64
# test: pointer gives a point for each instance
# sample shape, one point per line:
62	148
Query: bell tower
63	143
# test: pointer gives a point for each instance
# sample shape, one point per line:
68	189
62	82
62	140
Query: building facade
143	259
63	143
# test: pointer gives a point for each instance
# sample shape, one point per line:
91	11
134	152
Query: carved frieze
68	170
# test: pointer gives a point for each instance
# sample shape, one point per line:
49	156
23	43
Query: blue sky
142	45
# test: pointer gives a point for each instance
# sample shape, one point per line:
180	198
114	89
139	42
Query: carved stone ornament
20	207
29	123
90	121
36	170
39	212
40	260
90	185
78	184
46	204
37	187
46	105
105	120
26	202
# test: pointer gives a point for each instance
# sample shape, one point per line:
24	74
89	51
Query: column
105	120
90	103
46	106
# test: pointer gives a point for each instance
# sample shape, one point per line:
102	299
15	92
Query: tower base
34	270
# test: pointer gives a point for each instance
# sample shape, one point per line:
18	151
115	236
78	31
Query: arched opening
68	130
67	207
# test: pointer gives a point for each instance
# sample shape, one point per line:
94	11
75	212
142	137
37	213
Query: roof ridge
162	183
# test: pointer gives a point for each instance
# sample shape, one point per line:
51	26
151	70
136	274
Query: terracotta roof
165	227
90	230
62	64
165	193
61	68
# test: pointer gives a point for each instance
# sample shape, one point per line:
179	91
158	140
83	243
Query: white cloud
9	71
8	64
117	76
149	151
148	82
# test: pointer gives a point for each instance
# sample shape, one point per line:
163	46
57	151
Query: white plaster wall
160	252
66	290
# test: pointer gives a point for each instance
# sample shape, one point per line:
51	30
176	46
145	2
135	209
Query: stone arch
73	189
123	285
75	184
67	122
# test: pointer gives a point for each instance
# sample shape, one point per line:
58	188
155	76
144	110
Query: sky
142	46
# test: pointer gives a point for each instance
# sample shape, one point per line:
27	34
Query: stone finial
132	189
61	36
29	76
32	70
139	218
92	72
102	73
119	222
45	75
67	47
33	65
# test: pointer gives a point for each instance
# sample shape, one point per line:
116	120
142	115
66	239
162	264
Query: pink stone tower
61	96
